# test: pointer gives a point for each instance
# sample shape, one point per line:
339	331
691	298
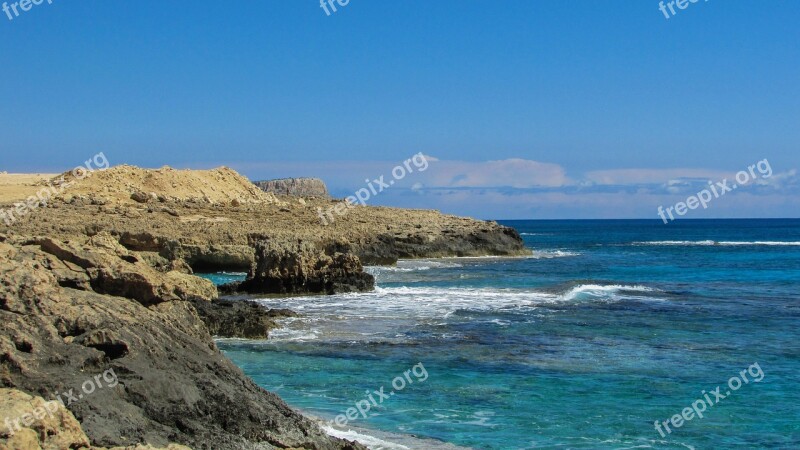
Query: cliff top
117	184
17	186
296	187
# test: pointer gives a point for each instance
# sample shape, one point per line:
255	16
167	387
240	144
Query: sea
611	334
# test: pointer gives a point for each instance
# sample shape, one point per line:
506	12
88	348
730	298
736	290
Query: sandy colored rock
102	264
302	267
42	425
50	426
19	186
162	379
132	185
97	281
219	236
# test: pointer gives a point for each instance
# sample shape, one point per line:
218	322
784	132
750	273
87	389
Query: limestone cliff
301	267
62	330
295	187
100	278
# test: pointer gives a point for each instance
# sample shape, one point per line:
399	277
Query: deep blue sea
608	327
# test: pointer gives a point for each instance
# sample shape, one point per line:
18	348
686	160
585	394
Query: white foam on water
421	265
676	243
548	254
501	322
378	440
414	265
372	442
288	334
768	243
611	292
708	243
409	265
388	313
409	302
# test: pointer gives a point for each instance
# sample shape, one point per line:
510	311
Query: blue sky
527	109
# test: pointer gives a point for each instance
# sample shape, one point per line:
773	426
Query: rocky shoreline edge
99	282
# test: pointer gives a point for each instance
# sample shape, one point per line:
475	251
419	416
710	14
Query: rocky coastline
101	279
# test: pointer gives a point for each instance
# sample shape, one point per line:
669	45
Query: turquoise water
606	328
223	277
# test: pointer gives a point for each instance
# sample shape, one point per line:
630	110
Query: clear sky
526	109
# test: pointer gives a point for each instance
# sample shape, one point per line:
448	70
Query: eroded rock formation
170	384
37	424
100	278
199	222
295	187
302	267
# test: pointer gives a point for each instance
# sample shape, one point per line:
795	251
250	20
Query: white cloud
521	188
649	176
514	173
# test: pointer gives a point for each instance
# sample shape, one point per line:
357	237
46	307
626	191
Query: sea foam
719	243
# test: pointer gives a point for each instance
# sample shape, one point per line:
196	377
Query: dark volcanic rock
296	187
146	370
301	267
239	318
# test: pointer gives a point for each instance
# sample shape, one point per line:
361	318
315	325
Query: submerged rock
240	318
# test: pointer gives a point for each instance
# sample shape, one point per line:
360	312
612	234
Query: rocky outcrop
221	238
295	187
209	218
387	248
135	366
33	423
101	279
210	258
199	256
301	267
132	185
38	424
240	318
101	264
